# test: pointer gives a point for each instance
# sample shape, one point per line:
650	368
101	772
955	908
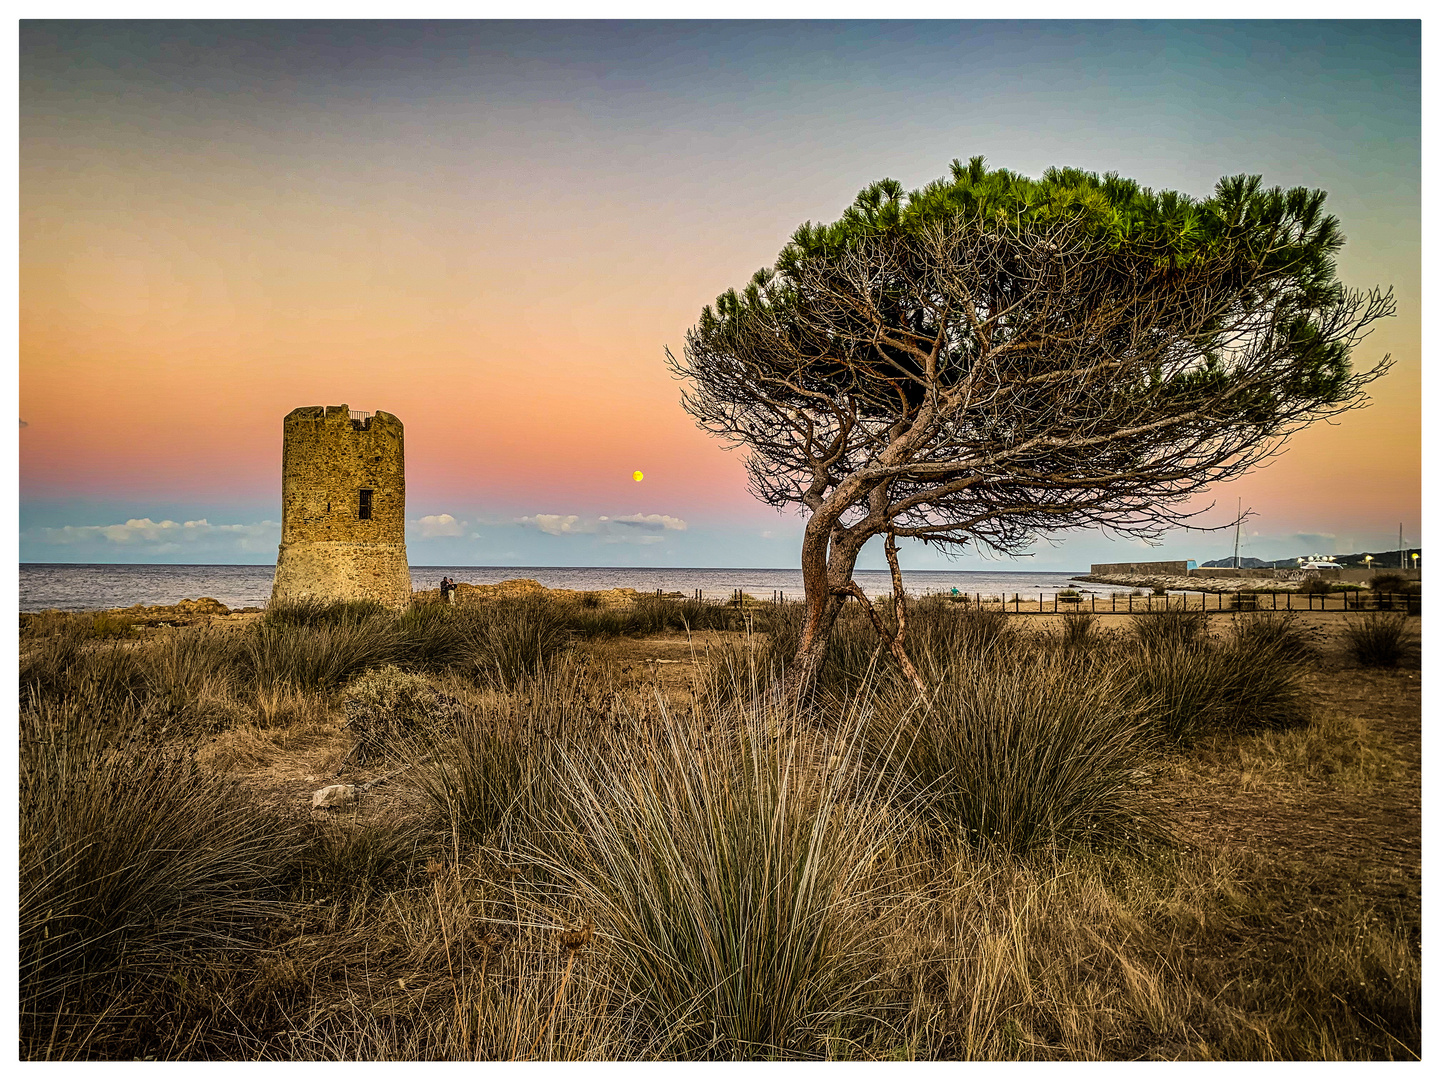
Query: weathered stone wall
1175	567
326	549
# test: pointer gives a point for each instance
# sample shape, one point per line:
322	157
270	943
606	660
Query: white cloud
164	537
432	525
558	524
627	529
651	521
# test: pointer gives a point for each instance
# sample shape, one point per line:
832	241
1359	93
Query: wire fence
1067	601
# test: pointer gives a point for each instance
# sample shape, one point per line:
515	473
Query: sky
494	230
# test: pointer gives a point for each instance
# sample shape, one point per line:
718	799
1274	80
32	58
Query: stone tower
342	525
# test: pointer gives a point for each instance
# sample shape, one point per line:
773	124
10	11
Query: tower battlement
342	525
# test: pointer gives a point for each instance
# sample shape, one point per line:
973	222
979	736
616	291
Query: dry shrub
1078	629
1168	627
387	706
1381	640
1280	633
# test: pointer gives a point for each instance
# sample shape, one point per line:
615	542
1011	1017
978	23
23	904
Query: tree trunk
826	567
897	643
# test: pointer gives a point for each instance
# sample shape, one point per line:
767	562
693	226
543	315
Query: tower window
365	496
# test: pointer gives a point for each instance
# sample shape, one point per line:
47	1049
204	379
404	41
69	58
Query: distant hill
1379	560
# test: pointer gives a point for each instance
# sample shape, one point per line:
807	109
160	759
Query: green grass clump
1380	640
938	629
439	637
1021	751
1191	688
348	862
1393	583
1318	585
477	779
728	871
487	775
516	640
62	668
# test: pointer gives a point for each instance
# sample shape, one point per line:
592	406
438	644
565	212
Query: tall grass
321	657
490	775
309	612
936	628
727	871
1380	640
1021	751
1168	627
1078	629
517	640
131	858
63	667
1191	690
1278	633
952	877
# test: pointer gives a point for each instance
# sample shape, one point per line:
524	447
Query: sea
97	586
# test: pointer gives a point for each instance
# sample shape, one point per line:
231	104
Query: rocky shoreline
1176	583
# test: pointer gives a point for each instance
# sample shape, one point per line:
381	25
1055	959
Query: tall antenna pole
1400	543
1236	563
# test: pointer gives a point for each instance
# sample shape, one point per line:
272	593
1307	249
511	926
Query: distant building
1173	567
342	525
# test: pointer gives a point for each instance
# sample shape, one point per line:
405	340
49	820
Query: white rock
334	795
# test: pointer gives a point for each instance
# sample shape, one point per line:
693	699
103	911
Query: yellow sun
639	476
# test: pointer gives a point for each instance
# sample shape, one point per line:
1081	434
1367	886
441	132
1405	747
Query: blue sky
495	229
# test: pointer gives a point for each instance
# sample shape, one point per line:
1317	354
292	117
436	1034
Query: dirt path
1338	838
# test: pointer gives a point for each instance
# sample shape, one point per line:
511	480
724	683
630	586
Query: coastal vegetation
572	830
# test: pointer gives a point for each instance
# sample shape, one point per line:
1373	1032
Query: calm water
87	587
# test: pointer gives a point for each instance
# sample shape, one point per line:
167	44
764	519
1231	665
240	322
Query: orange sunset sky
494	230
